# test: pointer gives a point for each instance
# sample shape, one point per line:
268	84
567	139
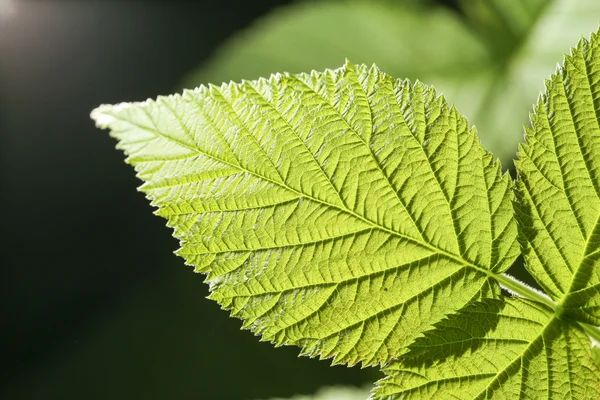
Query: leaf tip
101	116
348	64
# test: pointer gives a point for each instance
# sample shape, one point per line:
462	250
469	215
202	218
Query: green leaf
491	63
559	187
315	35
503	24
514	349
343	211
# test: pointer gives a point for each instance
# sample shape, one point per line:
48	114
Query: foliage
359	218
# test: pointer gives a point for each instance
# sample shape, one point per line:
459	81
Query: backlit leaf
559	186
514	349
343	211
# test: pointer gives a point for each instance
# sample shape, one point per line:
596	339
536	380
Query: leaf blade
558	189
342	211
511	349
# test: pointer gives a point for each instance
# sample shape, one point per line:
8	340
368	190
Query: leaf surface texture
343	211
514	349
559	187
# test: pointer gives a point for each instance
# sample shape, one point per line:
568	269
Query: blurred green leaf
491	62
315	36
335	393
535	36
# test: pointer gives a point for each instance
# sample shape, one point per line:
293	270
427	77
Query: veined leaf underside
341	211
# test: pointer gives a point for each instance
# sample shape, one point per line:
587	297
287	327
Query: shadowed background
94	303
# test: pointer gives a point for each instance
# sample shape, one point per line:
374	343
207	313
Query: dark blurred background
94	303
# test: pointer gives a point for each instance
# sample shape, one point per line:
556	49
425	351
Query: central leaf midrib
376	162
283	185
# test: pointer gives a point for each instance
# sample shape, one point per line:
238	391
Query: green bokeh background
94	303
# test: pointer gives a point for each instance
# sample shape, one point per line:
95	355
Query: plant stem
521	289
